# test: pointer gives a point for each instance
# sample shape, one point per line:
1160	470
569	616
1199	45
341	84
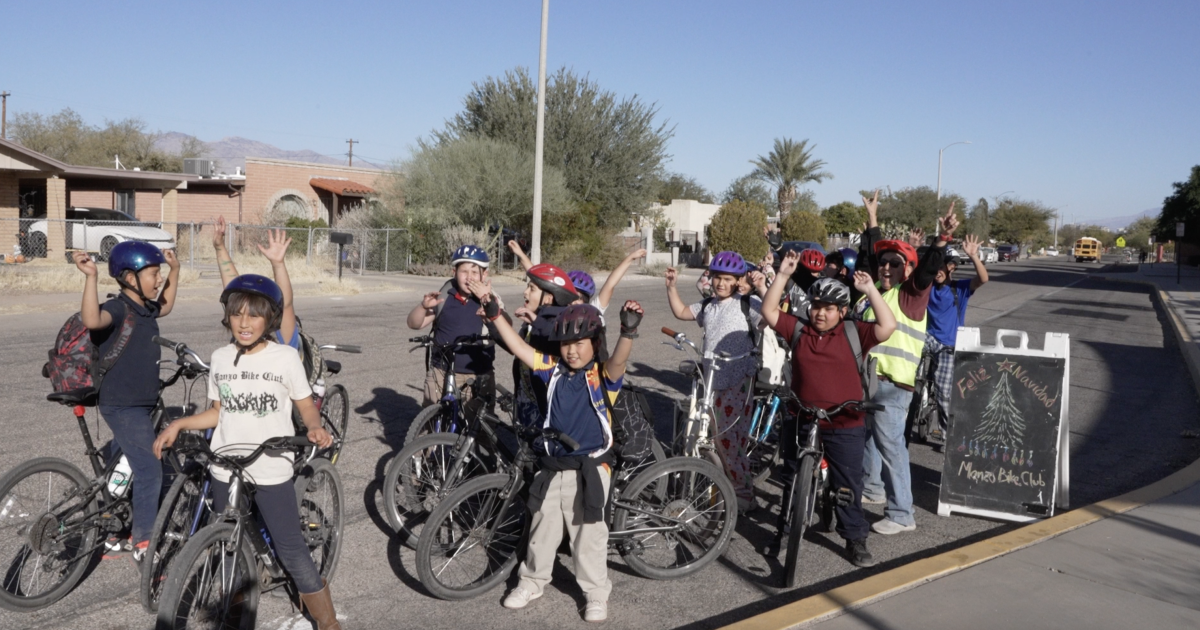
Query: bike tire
802	509
415	481
335	417
210	553
762	457
432	419
322	506
26	502
172	529
458	533
680	488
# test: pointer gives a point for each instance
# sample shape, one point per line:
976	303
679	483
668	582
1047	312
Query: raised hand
515	247
84	263
789	263
872	205
481	289
525	315
636	254
949	223
218	238
631	316
916	237
171	258
672	275
862	281
431	300
971	246
277	245
757	279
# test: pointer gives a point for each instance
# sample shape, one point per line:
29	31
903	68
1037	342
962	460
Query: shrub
801	225
299	246
577	240
738	227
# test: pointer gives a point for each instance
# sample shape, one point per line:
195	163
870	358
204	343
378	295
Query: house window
126	202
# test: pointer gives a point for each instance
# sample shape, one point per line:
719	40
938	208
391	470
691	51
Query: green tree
1021	222
978	220
918	207
737	227
749	189
66	137
790	164
846	217
1137	234
801	225
1183	205
610	150
680	186
478	182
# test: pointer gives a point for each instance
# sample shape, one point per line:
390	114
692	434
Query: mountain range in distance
231	153
1119	223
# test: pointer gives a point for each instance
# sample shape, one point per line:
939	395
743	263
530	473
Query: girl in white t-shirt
253	384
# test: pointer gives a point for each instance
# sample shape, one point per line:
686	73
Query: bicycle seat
333	367
86	397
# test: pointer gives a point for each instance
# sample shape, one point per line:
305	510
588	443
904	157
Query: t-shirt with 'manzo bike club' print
256	404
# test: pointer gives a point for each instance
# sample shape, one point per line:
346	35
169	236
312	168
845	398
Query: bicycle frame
696	430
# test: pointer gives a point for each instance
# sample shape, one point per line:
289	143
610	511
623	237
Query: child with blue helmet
129	391
275	251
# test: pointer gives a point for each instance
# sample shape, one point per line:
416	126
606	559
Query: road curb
832	603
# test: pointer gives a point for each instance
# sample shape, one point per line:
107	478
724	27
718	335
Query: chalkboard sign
1008	405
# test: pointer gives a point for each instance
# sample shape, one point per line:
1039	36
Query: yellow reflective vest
899	356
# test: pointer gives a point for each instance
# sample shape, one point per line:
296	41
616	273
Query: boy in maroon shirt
825	374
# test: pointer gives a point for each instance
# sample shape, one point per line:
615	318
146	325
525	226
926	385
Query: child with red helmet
584	284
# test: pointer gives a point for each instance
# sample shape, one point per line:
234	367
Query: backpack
867	374
75	362
310	356
633	424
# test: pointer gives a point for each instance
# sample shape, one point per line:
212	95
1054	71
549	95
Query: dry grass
35	279
298	270
656	269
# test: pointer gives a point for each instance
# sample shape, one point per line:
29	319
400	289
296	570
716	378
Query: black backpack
632	425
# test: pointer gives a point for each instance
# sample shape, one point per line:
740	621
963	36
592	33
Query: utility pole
351	143
4	114
535	252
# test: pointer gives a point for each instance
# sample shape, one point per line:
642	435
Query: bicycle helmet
829	291
254	284
577	321
900	247
728	262
812	260
583	283
133	256
471	254
849	258
554	281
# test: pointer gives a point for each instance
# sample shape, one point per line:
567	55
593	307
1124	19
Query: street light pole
535	250
939	186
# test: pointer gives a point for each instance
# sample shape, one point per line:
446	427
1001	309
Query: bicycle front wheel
803	501
417	479
688	497
435	418
335	417
213	584
472	539
48	531
181	514
322	508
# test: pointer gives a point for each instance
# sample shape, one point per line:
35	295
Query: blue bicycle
446	416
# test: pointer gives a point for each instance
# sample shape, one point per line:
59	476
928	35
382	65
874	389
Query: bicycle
446	415
52	514
669	520
185	508
809	489
219	574
762	447
923	411
334	403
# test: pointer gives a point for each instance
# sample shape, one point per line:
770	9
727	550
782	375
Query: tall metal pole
939	187
4	114
535	252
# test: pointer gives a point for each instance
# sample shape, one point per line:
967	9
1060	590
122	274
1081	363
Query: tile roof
341	186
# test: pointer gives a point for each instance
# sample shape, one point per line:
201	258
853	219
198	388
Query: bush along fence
373	250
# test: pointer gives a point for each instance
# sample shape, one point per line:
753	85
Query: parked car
1008	253
987	255
98	230
800	246
1051	251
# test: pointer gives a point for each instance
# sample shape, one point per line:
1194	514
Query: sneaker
139	551
873	501
856	552
888	527
595	611
520	598
936	434
118	545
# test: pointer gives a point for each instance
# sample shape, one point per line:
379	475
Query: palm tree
789	165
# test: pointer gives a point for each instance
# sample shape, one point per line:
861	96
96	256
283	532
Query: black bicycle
446	415
923	411
668	520
217	577
809	491
54	518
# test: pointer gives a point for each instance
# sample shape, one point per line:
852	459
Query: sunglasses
891	262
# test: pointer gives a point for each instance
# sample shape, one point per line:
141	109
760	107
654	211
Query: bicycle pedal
843	497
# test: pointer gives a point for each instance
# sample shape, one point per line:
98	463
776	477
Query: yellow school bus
1087	248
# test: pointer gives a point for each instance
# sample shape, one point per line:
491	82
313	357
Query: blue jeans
133	431
885	462
844	452
279	514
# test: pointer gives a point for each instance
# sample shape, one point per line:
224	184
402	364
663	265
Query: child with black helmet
571	487
129	390
253	384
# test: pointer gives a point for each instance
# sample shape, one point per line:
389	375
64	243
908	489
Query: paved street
1131	399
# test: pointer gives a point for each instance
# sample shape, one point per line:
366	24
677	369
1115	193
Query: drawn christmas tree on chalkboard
1002	422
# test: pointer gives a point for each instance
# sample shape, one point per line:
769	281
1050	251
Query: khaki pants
589	541
434	377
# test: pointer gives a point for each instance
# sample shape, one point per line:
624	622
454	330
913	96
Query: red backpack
75	362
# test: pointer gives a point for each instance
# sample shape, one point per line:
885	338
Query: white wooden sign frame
1057	346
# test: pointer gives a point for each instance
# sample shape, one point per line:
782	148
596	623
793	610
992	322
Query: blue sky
1089	107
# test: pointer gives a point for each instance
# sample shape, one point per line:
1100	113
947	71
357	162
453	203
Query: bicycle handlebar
825	414
668	332
187	442
181	351
342	348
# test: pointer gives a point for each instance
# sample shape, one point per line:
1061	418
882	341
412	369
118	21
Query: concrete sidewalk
1128	562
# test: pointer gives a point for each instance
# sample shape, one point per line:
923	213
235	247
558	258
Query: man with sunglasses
904	284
